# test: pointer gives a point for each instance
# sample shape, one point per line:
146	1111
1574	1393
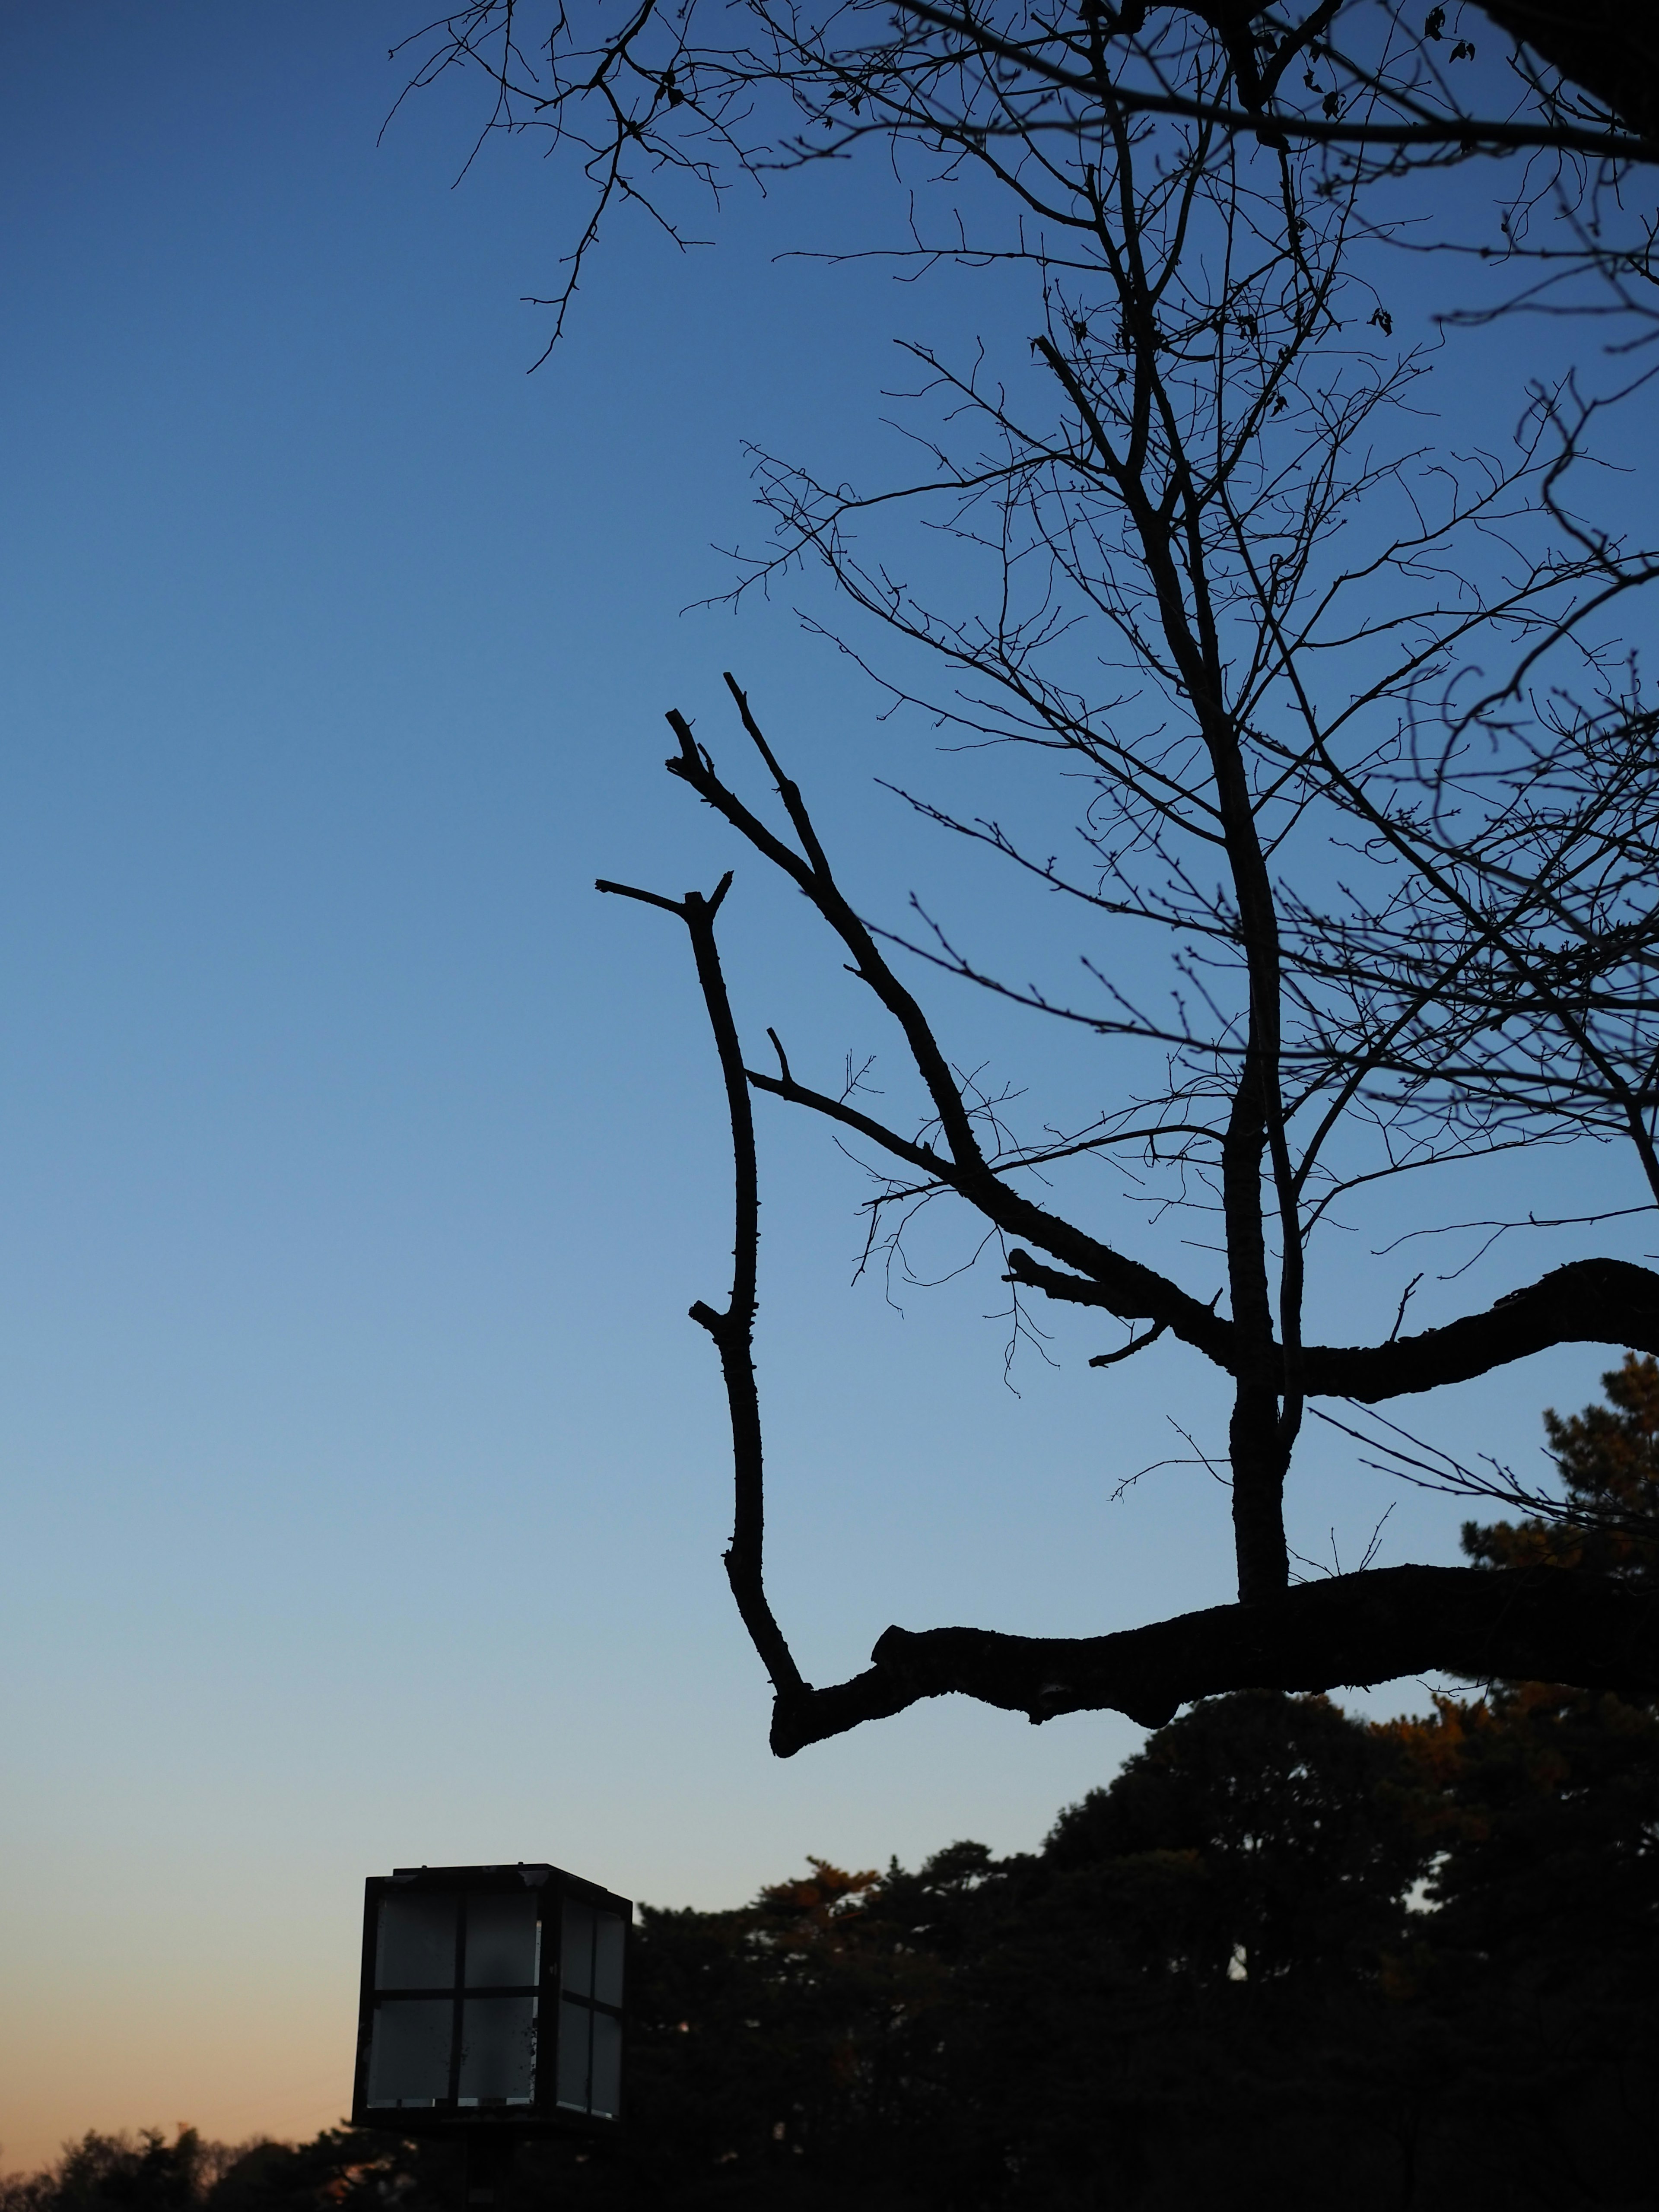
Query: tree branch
1139	1291
1276	126
1546	1624
1609	47
733	1330
1587	1301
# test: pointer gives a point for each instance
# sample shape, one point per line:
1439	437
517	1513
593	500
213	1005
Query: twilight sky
365	1484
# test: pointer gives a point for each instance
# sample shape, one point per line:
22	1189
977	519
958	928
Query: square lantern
492	1996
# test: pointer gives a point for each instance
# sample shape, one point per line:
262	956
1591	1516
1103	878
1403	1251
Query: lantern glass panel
498	2050
408	2064
576	1948
605	2093
500	1941
574	2023
607	1957
417	1942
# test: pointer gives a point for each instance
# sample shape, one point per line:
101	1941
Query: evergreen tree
1607	1458
1543	1803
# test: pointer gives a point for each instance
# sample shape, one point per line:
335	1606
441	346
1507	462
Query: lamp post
491	2007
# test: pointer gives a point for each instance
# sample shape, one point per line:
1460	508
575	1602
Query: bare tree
661	96
1408	903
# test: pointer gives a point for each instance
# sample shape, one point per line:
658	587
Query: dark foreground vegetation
1284	1958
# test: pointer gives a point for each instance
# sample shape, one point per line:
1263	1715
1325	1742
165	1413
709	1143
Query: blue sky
365	1483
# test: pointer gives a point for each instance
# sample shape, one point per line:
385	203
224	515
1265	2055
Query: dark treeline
1285	1957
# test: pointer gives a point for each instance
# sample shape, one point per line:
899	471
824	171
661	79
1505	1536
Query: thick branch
1587	1302
1609	47
1546	1624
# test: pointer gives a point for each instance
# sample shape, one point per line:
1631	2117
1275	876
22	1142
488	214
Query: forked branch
734	1331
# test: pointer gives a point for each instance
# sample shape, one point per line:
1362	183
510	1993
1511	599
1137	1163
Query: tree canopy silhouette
1284	1955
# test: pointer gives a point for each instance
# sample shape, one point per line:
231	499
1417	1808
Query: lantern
492	2000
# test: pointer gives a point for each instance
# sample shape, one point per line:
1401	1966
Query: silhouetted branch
1278	125
1587	1301
1126	1351
733	1330
1540	1624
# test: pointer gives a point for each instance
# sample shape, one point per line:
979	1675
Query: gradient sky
365	1483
